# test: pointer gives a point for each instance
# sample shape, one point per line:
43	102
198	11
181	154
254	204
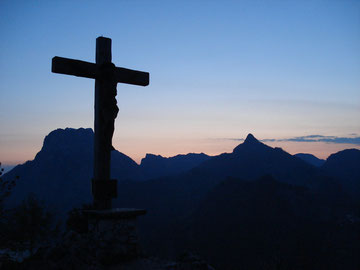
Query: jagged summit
157	165
70	131
67	141
68	135
149	157
250	143
250	139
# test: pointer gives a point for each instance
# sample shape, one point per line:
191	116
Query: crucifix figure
106	76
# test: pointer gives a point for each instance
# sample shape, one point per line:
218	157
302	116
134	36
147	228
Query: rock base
114	234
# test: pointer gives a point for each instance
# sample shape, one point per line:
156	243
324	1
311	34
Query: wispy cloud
327	139
313	138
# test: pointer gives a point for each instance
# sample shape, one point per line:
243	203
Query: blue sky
218	70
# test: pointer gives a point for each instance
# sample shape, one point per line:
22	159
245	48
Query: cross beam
106	76
79	68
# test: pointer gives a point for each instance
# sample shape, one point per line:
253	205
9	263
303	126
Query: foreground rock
78	251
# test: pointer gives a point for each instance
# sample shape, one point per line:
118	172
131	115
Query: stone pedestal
114	232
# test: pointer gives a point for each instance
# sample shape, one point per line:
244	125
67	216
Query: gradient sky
218	71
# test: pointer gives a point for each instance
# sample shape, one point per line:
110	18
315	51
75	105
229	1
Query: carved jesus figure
108	103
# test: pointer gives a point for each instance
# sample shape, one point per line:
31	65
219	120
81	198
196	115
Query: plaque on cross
106	76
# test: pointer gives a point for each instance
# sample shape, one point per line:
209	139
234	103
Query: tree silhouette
29	225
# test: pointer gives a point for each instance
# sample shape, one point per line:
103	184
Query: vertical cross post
102	155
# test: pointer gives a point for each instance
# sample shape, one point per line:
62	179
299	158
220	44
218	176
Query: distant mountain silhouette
194	200
345	165
311	159
153	166
171	200
253	159
61	172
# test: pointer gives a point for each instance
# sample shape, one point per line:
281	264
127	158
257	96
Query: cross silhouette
106	76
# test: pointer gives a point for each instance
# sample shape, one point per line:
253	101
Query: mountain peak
250	139
250	143
67	142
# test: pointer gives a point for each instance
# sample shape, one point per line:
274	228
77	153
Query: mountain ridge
66	158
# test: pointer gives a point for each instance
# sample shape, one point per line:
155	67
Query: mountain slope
242	221
345	165
311	159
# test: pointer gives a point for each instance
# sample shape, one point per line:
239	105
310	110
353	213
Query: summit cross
106	76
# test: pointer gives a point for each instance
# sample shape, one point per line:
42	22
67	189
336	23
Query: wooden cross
106	77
